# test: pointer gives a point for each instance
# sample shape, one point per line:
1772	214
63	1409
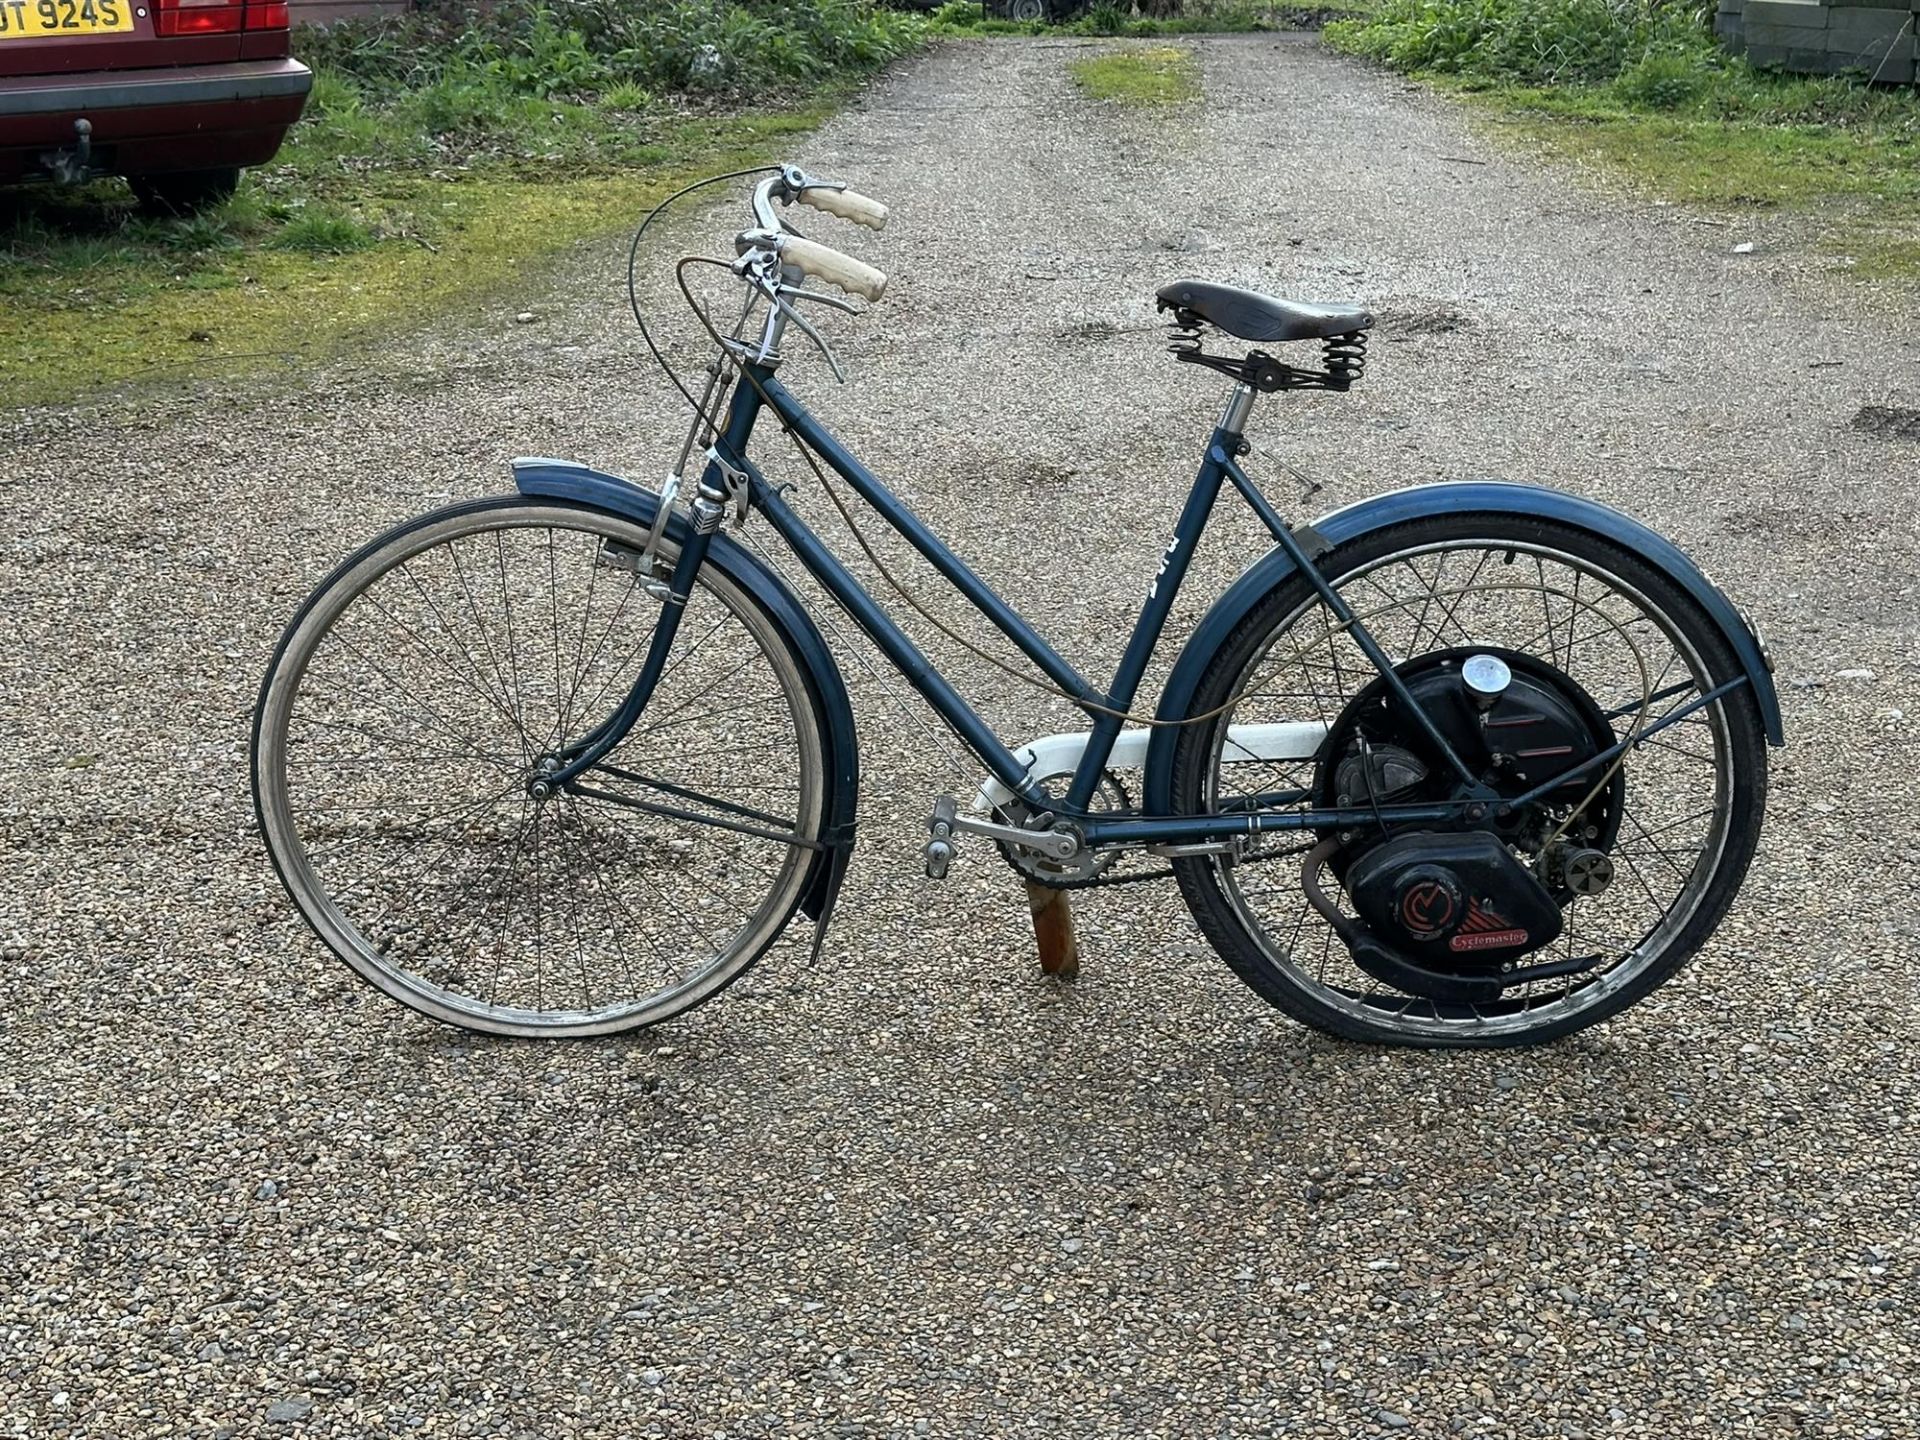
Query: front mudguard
1416	503
577	484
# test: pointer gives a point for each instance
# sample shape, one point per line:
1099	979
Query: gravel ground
915	1190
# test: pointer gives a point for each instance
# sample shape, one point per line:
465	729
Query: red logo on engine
1486	929
1426	909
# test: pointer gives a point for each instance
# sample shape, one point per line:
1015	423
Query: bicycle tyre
615	869
1276	969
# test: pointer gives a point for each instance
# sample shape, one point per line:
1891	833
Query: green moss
1873	251
1156	75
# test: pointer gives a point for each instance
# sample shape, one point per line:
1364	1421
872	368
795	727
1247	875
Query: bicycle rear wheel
1681	828
419	690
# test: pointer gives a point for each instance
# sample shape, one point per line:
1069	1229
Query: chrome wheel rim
494	910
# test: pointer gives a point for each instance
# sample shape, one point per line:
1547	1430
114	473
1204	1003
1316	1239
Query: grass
436	164
86	312
1641	91
1156	75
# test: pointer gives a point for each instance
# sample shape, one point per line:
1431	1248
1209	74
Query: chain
1095	882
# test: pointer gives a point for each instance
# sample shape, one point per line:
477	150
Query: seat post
1233	419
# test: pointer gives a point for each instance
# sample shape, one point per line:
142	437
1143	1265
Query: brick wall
1825	37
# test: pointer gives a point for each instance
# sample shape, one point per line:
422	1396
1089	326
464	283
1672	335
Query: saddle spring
1345	357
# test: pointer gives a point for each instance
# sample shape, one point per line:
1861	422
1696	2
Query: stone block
1785	37
1799	60
1729	28
1731	7
1870	52
1875	59
1806	14
1870	24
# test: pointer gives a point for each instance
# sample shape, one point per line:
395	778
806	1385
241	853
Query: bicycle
567	762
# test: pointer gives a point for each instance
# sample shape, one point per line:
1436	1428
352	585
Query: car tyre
185	192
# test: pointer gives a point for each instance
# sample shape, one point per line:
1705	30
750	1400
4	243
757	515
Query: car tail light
197	17
269	16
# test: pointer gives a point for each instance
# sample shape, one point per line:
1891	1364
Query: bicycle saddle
1252	316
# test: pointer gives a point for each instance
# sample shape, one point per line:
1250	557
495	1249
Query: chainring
1087	868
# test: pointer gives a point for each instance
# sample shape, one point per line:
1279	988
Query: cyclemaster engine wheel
1688	821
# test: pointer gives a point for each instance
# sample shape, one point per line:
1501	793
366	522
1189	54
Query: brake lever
834	300
812	334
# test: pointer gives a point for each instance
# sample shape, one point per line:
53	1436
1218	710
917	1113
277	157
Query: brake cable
702	314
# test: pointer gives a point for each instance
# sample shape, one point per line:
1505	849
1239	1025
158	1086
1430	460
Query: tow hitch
71	167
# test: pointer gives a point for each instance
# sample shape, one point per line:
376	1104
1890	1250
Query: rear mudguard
563	480
1419	502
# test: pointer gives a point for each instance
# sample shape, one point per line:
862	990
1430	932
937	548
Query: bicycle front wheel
427	681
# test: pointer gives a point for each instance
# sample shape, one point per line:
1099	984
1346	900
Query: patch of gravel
913	1190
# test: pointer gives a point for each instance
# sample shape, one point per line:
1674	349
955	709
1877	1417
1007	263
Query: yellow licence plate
32	19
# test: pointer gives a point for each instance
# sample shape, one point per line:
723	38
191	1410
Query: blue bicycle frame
758	389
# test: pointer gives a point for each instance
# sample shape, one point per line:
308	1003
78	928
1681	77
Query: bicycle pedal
939	850
939	856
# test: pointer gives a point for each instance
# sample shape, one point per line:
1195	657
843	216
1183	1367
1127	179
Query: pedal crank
1041	836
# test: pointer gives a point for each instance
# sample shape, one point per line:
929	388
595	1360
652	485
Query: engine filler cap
1486	678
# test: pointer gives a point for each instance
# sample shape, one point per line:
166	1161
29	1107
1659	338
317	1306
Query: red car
176	95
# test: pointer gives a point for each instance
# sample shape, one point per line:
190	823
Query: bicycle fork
709	508
719	483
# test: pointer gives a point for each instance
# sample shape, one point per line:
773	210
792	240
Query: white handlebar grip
847	204
823	262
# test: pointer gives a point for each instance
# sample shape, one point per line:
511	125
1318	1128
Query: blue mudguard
563	480
1478	496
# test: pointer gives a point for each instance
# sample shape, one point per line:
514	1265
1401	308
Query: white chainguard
1052	756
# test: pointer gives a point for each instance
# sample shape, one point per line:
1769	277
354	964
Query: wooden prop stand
1053	931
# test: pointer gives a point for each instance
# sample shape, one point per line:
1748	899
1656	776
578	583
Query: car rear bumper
90	92
150	121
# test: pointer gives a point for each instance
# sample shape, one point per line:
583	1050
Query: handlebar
821	262
847	204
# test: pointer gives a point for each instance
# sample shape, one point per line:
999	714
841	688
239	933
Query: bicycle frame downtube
900	651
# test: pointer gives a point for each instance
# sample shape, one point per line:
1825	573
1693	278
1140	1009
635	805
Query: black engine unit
1452	903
